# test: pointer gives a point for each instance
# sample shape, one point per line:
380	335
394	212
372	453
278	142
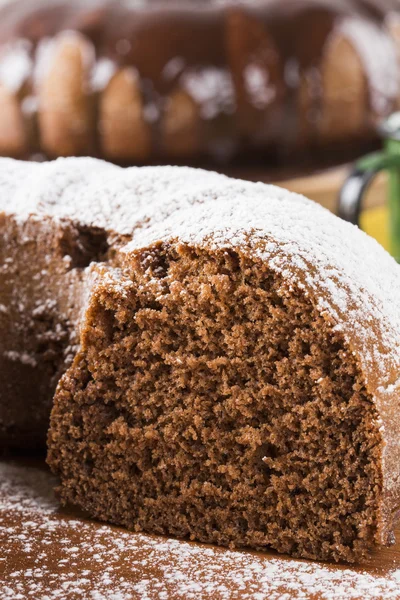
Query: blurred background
287	91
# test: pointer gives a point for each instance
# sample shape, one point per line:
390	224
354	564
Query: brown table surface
48	553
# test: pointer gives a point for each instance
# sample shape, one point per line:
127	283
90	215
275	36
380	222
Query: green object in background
353	191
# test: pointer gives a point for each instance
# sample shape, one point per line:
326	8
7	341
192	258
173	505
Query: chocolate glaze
245	64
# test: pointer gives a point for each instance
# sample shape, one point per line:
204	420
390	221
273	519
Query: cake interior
211	401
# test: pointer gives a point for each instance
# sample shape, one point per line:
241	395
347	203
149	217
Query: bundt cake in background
270	82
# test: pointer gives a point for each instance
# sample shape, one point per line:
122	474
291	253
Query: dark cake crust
225	82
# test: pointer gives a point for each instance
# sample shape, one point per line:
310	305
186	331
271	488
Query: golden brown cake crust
197	81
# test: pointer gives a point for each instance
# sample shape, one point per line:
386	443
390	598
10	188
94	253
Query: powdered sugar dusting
22	357
212	89
15	65
95	193
51	556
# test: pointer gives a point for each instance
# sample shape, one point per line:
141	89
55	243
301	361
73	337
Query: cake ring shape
224	354
270	83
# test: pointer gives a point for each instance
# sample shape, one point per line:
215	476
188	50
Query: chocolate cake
263	82
229	350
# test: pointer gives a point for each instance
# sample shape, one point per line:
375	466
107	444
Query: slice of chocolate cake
238	379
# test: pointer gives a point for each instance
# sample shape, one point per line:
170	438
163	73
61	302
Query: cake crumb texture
211	401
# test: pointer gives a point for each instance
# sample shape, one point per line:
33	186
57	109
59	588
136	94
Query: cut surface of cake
238	376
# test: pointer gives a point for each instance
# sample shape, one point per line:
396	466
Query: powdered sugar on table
50	555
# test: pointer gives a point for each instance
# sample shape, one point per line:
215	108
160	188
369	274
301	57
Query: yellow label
374	221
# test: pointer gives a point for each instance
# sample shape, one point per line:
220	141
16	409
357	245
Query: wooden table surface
48	553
